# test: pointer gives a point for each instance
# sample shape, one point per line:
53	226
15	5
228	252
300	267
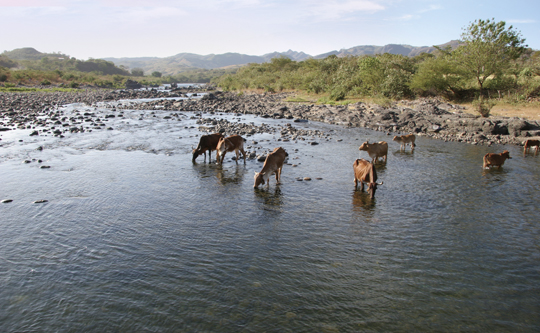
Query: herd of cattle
364	171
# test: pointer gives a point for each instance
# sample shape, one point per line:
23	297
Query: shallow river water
134	237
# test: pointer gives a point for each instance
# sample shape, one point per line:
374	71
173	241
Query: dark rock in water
6	200
34	133
300	120
27	161
4	129
45	167
314	143
41	201
39	148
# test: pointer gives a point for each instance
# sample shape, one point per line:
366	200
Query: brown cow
207	142
529	144
491	159
232	143
272	164
404	140
375	150
364	172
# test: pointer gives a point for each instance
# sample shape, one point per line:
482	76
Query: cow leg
362	186
355	183
244	154
278	175
237	155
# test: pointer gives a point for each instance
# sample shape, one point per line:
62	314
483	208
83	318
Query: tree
156	74
488	47
487	51
137	72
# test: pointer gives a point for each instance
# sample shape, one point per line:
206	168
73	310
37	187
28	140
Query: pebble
41	201
6	200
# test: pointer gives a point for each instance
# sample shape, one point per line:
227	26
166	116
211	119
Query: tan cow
232	143
491	159
375	150
404	140
272	164
207	142
364	172
529	144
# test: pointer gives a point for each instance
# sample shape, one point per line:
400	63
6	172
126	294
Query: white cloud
337	9
143	14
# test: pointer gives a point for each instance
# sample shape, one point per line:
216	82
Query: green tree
156	74
488	47
137	72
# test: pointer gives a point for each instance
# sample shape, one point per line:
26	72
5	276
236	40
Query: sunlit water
135	237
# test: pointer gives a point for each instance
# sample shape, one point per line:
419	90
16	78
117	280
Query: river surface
134	237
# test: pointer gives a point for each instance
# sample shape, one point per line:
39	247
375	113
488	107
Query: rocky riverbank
429	117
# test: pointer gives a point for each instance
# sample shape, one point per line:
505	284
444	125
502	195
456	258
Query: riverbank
429	117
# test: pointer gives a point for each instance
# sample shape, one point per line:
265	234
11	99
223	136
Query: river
135	237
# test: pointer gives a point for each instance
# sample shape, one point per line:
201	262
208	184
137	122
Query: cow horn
380	183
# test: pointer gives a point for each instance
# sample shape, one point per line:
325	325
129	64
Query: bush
74	85
483	106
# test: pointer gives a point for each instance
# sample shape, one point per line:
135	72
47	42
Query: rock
6	201
41	201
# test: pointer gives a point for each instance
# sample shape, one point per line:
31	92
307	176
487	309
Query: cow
492	159
529	144
404	140
375	150
232	143
364	172
207	142
272	164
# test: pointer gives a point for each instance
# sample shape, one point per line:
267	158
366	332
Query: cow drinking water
272	164
207	142
364	172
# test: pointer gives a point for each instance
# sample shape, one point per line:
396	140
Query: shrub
483	106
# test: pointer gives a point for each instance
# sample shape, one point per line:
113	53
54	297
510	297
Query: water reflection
408	154
269	196
362	203
228	176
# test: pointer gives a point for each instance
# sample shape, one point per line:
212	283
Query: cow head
364	146
396	138
372	188
259	179
196	154
506	154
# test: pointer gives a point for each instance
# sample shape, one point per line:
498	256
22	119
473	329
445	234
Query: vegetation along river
133	236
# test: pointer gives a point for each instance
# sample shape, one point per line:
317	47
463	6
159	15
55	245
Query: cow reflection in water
228	176
270	197
362	202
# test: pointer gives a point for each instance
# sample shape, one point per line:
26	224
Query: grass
530	111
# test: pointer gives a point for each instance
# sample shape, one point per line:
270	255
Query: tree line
491	62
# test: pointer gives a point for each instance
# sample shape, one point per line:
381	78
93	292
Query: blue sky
160	28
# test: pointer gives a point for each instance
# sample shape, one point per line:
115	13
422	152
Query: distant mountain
406	50
189	61
29	53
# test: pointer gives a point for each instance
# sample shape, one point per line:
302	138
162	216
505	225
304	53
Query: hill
29	53
189	61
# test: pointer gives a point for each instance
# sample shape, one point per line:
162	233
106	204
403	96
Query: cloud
337	9
32	3
143	14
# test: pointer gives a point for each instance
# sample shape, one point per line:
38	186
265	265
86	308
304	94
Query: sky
160	28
